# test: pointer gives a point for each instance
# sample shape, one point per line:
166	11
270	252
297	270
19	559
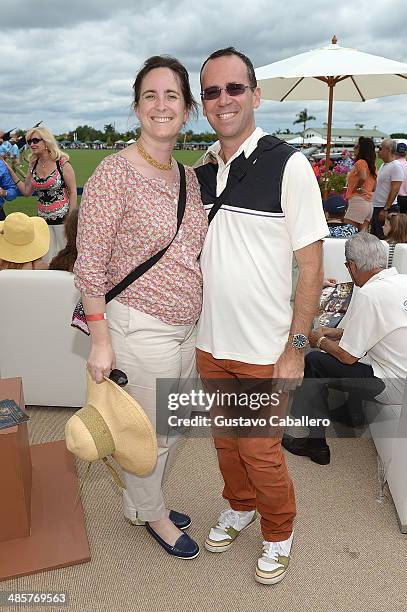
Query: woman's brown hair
398	227
10	265
65	259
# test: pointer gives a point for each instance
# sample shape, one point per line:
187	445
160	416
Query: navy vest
260	187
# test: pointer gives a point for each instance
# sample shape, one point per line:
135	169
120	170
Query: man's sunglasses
34	140
232	89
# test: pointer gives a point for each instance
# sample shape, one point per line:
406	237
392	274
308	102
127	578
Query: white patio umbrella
322	73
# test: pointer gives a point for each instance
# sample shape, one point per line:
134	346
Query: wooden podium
41	515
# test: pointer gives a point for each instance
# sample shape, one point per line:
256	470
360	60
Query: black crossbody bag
79	317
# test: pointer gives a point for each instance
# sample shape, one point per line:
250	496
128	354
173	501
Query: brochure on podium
11	414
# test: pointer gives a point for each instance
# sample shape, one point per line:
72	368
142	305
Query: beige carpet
348	553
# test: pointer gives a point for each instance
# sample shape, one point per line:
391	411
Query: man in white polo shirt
389	179
247	329
368	357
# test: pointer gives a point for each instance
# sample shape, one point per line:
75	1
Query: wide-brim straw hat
112	423
23	238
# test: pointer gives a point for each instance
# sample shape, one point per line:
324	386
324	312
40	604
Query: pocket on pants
118	317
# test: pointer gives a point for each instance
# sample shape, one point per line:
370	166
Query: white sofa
389	429
36	340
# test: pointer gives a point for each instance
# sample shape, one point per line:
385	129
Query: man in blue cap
335	208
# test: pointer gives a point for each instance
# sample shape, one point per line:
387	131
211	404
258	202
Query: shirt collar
247	147
382	274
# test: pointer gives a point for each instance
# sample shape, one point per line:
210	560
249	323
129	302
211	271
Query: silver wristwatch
299	341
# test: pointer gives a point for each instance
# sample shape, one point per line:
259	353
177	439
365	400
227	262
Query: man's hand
2	193
383	215
333	333
315	335
289	370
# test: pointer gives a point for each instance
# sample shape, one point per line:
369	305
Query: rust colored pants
253	469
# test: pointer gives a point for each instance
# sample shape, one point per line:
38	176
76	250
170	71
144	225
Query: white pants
147	349
57	241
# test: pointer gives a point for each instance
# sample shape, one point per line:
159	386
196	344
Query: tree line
109	135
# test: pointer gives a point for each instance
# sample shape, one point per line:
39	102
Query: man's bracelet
319	341
19	181
96	317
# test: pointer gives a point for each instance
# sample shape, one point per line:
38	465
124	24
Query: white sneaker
230	524
273	564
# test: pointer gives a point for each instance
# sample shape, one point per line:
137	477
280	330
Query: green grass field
84	162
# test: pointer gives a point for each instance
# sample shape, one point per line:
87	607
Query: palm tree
303	117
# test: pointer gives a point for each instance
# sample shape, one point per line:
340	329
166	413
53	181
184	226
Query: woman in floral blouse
128	213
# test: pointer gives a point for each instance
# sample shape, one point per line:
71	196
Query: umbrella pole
331	84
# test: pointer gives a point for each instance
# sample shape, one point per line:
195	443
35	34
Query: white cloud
69	66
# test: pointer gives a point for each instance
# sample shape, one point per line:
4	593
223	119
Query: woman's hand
101	362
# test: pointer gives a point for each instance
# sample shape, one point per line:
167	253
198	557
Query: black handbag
79	317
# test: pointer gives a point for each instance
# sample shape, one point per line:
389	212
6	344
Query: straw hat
23	238
112	423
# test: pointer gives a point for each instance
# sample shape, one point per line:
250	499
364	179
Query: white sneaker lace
272	550
227	519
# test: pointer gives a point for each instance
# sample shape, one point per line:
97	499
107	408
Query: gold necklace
151	160
43	163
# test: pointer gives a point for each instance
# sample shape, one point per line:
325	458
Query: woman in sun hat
127	215
23	242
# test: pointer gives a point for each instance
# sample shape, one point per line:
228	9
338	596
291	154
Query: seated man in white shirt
368	357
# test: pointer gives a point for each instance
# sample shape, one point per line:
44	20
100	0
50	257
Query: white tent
131	141
315	140
296	140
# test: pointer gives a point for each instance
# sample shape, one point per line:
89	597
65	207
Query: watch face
299	341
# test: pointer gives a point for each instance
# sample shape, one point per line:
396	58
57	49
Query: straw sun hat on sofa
112	423
23	238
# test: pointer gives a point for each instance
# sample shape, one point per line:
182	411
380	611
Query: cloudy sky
71	63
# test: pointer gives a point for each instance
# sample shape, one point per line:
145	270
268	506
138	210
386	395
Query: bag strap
145	266
58	165
238	170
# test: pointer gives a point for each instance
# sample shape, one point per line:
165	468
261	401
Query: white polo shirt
376	325
392	171
246	264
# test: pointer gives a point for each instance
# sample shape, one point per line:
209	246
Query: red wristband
96	317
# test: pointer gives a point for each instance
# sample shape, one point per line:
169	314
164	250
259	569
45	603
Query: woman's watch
298	341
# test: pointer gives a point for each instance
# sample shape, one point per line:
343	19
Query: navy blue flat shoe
182	521
184	548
